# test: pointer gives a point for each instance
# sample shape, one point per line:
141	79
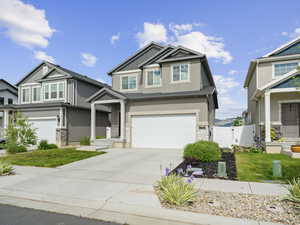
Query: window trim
32	95
146	78
130	75
180	81
57	91
282	62
24	88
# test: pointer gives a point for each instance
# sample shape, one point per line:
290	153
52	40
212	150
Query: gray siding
195	82
6	94
71	91
79	121
252	106
44	112
84	91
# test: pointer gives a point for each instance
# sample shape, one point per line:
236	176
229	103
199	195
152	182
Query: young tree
238	121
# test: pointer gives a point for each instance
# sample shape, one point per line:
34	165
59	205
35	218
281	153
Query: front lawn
258	166
48	158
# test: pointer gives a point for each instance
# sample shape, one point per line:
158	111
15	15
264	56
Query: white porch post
122	109
93	122
267	117
5	118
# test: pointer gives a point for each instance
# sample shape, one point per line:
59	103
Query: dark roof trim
131	58
155	56
180	59
32	71
108	90
179	48
9	84
204	62
9	90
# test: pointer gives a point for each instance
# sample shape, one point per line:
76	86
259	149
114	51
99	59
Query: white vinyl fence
241	135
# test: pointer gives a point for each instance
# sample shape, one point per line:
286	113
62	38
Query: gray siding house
8	96
273	83
53	99
161	97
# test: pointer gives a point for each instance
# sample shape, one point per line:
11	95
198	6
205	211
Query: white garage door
45	129
163	131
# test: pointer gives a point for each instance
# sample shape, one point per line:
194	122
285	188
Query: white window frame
24	88
32	95
278	63
146	80
57	91
130	75
188	74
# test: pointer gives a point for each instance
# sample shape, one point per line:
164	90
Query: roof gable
104	93
292	50
281	51
180	53
138	58
157	56
290	82
4	85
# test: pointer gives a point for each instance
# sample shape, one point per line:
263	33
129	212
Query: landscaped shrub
13	148
85	141
205	151
5	168
100	137
294	191
174	190
256	150
44	145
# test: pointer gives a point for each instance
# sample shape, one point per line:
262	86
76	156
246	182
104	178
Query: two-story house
273	95
53	99
161	97
8	96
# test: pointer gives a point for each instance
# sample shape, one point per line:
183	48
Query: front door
290	119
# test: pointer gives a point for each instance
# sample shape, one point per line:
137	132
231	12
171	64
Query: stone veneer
62	137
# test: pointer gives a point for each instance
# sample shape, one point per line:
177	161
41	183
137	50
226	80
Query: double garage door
45	128
163	131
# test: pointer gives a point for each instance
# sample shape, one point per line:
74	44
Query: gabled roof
71	74
283	47
135	56
187	54
9	84
108	90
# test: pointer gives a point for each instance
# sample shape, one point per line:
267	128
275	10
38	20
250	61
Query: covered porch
5	113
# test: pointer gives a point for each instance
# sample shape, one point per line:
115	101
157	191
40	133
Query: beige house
274	97
161	97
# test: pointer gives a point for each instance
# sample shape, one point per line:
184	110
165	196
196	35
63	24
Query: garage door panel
163	131
45	129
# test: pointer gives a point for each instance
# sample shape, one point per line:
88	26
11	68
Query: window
153	78
26	95
36	94
1	100
128	82
283	68
180	72
10	101
54	91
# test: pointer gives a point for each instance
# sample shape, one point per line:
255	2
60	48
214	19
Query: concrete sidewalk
117	187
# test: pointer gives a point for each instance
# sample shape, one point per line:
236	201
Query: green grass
258	166
48	158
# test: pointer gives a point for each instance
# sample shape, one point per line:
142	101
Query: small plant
175	191
5	169
43	145
85	141
206	151
238	121
13	148
294	191
256	150
100	137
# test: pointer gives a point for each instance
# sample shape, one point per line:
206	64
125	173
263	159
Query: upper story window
26	95
10	101
1	100
180	72
283	68
36	94
153	78
54	91
129	82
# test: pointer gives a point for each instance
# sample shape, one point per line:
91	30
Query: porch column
5	118
267	117
122	109
93	122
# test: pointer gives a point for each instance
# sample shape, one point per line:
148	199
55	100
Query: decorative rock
222	169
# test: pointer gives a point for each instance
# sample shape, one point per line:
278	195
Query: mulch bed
210	168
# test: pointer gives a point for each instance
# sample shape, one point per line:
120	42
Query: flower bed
210	168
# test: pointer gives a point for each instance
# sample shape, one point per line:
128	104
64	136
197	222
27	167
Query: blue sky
93	36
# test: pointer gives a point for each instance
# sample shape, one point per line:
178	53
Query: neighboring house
161	97
274	96
53	99
8	96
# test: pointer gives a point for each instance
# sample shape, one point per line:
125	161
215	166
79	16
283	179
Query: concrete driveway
120	176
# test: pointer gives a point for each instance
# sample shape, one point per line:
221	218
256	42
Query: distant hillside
224	123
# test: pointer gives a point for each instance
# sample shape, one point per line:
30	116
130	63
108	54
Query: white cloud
232	72
114	38
25	24
284	33
88	59
40	55
225	84
152	32
295	33
212	46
